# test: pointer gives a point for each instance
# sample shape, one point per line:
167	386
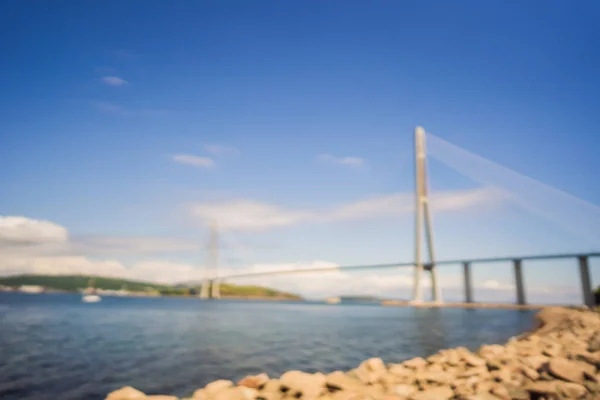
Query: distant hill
74	283
360	298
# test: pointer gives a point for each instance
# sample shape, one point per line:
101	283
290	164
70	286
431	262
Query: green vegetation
74	283
254	291
360	298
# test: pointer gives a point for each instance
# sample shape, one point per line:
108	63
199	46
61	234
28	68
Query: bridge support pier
216	289
586	285
205	289
468	282
519	282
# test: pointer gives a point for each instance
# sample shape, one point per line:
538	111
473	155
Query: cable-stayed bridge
585	225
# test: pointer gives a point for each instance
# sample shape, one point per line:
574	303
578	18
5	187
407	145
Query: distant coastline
123	287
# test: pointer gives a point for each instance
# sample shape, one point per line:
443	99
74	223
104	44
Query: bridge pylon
210	286
423	222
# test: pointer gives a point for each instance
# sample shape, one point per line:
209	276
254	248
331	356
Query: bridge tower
423	222
210	286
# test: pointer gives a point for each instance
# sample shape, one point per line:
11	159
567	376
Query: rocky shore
560	359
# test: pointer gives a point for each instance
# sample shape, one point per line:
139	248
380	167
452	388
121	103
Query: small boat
91	298
89	294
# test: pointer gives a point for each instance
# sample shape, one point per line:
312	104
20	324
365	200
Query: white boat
91	298
89	294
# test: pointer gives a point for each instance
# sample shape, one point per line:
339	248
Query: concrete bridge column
468	282
216	289
205	289
519	282
586	285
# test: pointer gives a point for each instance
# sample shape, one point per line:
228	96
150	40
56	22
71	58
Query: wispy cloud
348	161
21	230
114	81
116	109
250	215
195	161
220	150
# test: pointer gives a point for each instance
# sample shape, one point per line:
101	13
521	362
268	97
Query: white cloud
196	161
496	285
14	230
349	161
114	80
60	265
129	245
249	215
220	150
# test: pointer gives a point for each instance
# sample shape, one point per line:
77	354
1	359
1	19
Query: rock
566	370
303	385
253	381
571	390
268	396
502	392
404	390
415	363
400	370
477	371
435	368
375	364
536	362
594	343
200	394
485	386
438	393
542	388
374	391
339	381
590	358
126	393
473	360
214	387
493	365
436	377
273	386
553	350
345	395
502	375
371	370
530	373
592	387
517	393
453	358
483	396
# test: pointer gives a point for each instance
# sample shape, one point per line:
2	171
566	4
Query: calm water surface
53	346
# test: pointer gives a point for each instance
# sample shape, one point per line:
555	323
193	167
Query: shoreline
558	359
508	306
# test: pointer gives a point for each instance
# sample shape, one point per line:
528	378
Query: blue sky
99	98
